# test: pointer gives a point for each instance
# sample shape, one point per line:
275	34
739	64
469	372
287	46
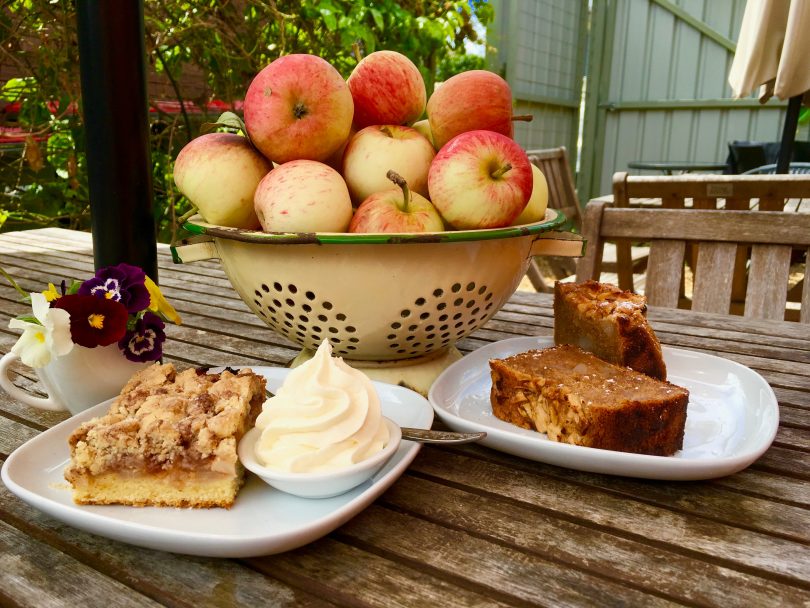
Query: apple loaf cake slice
609	322
169	439
576	397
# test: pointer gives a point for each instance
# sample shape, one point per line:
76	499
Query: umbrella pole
789	133
113	76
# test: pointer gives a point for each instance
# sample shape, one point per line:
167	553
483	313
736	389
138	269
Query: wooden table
670	167
463	526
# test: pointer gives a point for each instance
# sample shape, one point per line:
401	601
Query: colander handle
194	252
553	242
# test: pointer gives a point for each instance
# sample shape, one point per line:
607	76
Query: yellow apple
536	207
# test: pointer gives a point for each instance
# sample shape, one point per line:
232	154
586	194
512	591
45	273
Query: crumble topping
165	419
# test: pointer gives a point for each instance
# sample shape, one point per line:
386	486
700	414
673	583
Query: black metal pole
113	76
789	133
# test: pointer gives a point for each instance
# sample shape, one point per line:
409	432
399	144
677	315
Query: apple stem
500	171
522	118
400	181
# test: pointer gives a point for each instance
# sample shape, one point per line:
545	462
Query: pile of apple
324	154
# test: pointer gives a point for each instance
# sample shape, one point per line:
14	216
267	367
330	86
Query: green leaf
329	19
226	119
29	319
378	19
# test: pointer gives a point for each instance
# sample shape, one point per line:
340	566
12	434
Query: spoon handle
428	436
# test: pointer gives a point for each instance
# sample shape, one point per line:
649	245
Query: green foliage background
44	180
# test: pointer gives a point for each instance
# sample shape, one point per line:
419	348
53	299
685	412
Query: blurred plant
225	43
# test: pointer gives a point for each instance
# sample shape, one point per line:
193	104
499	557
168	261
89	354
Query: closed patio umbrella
773	53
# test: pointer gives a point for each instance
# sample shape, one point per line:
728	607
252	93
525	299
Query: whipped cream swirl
325	416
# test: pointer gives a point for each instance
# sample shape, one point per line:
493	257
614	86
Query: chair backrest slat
767	280
713	274
665	272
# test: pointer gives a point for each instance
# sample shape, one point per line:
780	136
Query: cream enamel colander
377	297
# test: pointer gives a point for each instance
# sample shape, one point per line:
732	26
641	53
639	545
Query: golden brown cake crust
177	431
575	397
609	322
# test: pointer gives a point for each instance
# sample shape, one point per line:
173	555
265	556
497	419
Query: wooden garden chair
562	195
771	235
703	191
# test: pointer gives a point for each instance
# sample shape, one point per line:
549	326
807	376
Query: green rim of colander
554	219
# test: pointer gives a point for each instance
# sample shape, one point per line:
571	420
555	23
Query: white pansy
40	343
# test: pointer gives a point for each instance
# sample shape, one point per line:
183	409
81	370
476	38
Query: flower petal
158	303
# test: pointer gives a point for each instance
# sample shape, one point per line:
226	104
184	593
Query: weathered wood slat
519	567
165	577
664	273
714	225
767	283
351	576
628	518
679	576
715	265
35	575
702	498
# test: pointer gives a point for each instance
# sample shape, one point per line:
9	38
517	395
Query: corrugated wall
540	50
659	58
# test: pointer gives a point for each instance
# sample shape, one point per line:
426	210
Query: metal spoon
428	436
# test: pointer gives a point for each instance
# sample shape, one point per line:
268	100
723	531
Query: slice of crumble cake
169	439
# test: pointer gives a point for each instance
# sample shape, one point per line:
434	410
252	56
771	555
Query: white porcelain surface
318	485
76	381
261	522
732	416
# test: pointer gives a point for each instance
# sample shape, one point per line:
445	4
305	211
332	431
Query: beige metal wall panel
539	47
660	58
555	127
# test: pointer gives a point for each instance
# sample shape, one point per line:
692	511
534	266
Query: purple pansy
145	341
122	283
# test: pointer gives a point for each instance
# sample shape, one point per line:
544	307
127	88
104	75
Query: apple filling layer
169	439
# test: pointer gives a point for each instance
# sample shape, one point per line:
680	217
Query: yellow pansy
51	294
159	304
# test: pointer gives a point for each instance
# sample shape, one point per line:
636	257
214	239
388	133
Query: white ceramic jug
74	382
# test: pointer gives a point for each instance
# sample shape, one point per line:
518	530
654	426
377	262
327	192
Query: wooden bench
771	235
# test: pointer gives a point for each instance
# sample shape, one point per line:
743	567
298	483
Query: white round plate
731	419
262	521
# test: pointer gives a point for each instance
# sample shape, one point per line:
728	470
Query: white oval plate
731	419
262	521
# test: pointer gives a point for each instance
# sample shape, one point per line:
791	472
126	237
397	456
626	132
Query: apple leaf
226	119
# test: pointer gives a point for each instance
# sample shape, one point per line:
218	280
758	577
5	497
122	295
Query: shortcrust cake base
164	489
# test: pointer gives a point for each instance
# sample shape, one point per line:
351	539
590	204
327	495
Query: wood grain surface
464	526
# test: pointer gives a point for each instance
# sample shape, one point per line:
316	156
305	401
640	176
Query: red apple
387	89
298	107
218	173
303	196
396	210
375	150
480	179
470	101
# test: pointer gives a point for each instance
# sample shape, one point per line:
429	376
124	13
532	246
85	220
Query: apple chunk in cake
169	439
